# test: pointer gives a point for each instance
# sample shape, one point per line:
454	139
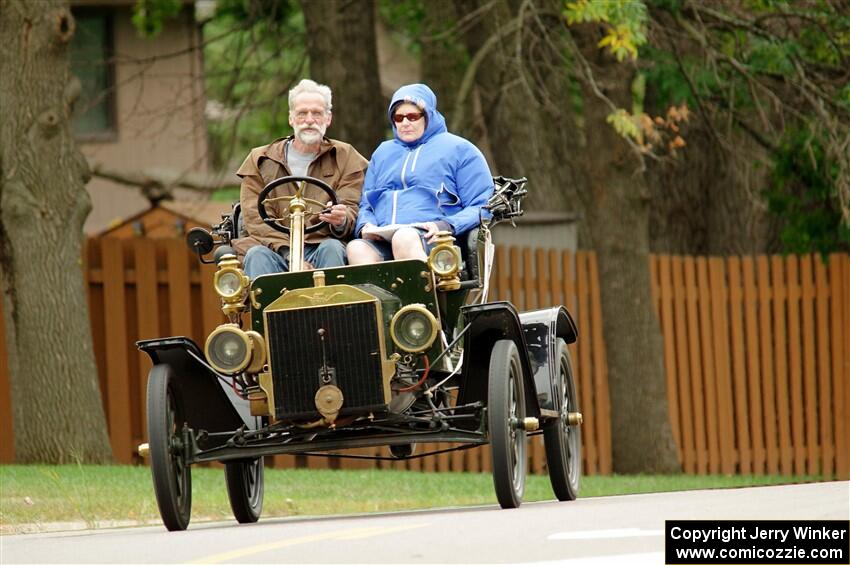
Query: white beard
310	135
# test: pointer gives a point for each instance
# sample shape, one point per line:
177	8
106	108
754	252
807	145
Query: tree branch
157	185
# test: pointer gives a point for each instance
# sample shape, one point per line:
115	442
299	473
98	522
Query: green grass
40	494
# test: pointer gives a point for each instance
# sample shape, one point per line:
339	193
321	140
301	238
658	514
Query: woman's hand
372	236
431	229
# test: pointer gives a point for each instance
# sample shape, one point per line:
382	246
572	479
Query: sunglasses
411	117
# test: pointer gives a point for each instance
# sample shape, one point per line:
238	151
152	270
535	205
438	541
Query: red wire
421	379
239	394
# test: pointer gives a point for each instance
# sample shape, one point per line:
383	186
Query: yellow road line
352	534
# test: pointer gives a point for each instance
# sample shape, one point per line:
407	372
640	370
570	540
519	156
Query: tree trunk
343	54
58	415
710	201
519	126
619	209
443	56
527	101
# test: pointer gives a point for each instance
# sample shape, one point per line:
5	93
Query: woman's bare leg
361	253
408	245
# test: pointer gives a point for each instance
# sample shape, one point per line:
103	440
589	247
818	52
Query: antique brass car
317	362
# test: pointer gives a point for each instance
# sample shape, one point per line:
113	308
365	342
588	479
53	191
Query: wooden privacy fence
757	352
757	358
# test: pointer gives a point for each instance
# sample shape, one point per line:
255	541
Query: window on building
91	62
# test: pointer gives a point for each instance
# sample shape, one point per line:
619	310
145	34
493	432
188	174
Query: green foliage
767	66
625	21
802	193
273	11
665	80
844	97
406	20
667	5
623	123
149	15
772	57
254	53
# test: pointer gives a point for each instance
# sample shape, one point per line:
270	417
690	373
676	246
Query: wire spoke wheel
505	414
172	477
245	487
563	441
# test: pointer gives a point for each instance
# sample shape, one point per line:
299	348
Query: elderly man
306	153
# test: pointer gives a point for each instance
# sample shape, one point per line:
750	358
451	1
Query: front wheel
172	477
561	439
245	488
505	415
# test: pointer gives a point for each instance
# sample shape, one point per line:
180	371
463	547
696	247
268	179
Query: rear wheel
505	415
563	441
245	488
172	477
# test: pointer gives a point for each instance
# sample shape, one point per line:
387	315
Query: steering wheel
274	222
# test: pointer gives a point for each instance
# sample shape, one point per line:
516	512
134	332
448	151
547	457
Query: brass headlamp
231	284
231	350
414	328
444	260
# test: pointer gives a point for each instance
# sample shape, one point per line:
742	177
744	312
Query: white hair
307	86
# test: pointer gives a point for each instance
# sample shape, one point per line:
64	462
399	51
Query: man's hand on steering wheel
334	214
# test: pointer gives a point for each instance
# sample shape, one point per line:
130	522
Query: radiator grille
352	348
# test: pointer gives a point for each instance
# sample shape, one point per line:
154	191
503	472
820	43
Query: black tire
172	477
245	488
562	441
505	409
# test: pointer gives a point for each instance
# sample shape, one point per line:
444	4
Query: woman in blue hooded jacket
422	181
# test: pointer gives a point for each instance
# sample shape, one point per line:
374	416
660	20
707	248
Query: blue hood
426	100
438	177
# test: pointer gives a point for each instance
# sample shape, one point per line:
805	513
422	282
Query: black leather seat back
237	225
469	252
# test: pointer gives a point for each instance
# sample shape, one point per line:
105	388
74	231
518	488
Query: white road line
607	534
653	558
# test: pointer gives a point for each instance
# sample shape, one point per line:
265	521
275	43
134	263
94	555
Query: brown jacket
338	164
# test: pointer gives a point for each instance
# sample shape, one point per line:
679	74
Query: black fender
208	398
490	323
541	329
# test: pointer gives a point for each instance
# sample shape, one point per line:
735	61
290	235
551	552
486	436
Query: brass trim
575	418
297	205
435	327
232	328
439	248
530	424
258	352
317	297
267	384
329	400
259	402
231	303
444	285
318	278
144	450
253	294
449	279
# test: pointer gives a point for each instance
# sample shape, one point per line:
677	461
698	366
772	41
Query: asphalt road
590	531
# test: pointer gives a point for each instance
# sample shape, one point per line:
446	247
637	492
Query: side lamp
444	261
